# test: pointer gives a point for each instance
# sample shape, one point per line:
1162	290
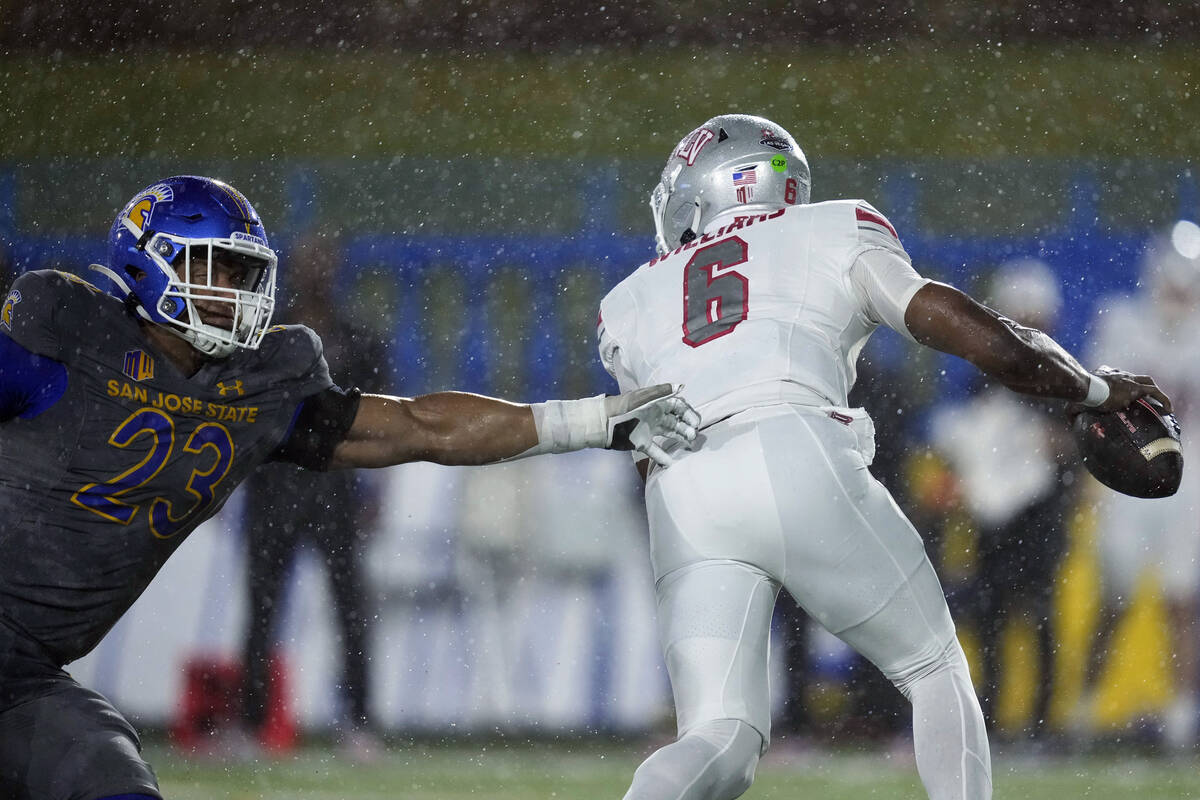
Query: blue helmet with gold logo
193	255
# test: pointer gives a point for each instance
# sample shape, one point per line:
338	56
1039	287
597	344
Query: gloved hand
650	419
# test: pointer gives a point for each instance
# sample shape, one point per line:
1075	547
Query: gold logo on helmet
142	208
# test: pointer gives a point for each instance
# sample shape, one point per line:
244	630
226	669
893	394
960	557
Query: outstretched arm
1023	359
446	427
456	428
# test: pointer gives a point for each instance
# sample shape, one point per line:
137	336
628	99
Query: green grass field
581	771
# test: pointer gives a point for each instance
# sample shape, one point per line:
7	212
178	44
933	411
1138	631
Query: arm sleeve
29	383
884	283
319	425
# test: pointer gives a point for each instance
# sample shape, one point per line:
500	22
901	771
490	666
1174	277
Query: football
1135	451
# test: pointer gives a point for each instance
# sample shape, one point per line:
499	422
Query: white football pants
781	496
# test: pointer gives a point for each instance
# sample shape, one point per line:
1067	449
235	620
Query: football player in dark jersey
127	419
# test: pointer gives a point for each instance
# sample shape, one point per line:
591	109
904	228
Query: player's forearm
452	428
464	429
1031	362
1023	359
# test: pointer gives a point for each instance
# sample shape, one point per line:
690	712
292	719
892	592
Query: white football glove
649	420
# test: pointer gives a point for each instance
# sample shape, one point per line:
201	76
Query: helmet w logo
233	386
693	143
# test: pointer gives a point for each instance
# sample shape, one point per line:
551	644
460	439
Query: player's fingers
658	454
691	416
1129	390
686	432
1159	395
681	410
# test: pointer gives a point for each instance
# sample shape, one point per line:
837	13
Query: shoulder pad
295	352
292	343
874	230
38	301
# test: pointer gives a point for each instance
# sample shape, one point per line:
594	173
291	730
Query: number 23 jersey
761	309
101	486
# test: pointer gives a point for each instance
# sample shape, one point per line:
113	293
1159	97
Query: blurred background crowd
454	186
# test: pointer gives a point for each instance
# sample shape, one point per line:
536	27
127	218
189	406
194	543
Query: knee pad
950	658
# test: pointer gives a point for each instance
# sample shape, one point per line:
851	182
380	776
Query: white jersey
761	309
761	318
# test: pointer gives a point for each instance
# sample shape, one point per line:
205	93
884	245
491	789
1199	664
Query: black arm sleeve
320	425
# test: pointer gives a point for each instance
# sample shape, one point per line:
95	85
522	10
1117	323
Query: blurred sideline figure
127	419
287	507
1157	329
498	510
760	303
1012	462
536	558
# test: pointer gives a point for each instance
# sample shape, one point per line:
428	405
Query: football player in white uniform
759	303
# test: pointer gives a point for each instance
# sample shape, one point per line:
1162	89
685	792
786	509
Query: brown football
1134	451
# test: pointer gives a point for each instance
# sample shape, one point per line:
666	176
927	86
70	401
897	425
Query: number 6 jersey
113	461
761	309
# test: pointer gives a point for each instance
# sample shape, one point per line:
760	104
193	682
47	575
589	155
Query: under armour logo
235	386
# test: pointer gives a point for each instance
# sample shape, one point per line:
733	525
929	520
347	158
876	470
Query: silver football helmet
731	161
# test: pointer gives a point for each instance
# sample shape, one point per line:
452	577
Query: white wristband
567	425
1097	392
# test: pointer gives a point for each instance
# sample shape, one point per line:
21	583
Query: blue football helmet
164	250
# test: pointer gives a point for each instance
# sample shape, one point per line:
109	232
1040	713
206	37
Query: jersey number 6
715	297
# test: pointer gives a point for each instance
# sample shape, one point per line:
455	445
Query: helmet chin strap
208	344
112	276
125	289
204	342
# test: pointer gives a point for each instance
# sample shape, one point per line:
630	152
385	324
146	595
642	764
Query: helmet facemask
197	272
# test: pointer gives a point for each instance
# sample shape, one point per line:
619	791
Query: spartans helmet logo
142	207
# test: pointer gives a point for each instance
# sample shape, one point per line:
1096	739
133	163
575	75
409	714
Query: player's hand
1124	388
647	420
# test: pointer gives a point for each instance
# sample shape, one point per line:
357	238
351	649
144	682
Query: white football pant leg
713	761
912	642
714	623
786	494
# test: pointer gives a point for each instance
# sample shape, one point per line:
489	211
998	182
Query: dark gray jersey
100	488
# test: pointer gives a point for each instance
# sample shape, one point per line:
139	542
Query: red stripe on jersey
868	216
599	318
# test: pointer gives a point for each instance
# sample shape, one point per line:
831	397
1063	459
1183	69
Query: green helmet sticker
779	163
